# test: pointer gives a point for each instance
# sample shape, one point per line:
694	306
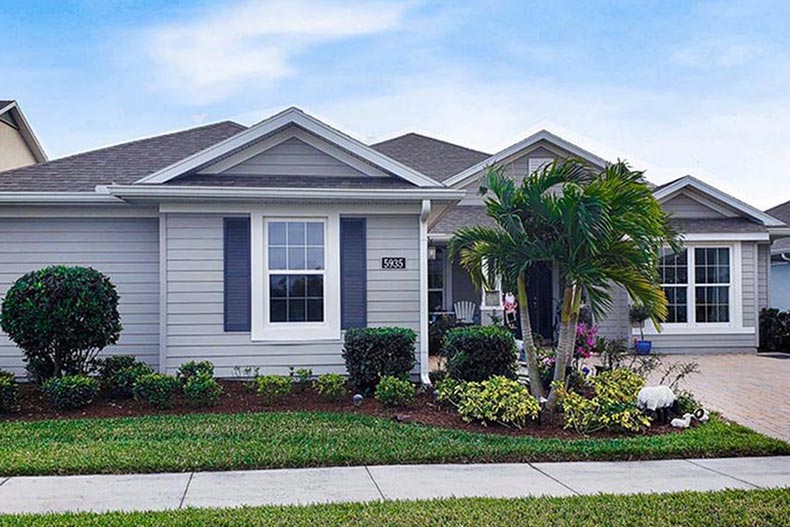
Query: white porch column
424	366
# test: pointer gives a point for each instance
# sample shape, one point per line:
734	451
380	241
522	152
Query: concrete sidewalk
403	482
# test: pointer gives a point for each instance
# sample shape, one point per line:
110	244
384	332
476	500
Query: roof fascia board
726	236
199	192
56	198
690	181
542	135
27	132
297	117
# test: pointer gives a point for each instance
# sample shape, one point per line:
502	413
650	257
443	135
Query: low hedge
373	353
477	353
71	392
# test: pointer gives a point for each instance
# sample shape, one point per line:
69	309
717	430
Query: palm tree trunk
535	384
571	305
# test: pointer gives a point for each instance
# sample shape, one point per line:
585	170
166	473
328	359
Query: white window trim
735	325
262	328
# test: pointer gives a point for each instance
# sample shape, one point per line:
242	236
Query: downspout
424	366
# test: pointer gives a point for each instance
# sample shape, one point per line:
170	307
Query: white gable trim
543	135
291	116
283	136
673	188
26	131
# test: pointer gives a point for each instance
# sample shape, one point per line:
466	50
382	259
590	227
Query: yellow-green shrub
496	400
393	392
613	406
273	388
331	386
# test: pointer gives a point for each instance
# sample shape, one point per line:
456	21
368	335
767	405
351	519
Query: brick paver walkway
753	390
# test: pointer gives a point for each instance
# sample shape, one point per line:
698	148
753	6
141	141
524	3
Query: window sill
695	330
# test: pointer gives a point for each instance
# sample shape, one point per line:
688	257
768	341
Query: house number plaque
390	262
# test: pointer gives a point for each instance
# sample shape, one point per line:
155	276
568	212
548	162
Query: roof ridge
136	141
430	138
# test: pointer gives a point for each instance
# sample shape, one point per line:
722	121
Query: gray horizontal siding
297	158
710	343
126	249
749	283
616	324
682	206
195	306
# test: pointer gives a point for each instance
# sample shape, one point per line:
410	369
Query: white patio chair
465	311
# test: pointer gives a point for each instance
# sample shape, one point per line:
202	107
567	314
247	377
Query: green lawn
735	508
304	439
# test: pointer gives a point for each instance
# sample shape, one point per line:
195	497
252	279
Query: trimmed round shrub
202	390
192	368
71	391
61	317
9	393
497	400
273	388
373	353
331	386
118	374
394	393
477	353
156	389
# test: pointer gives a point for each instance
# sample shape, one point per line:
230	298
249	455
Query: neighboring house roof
433	157
781	212
123	164
12	107
291	117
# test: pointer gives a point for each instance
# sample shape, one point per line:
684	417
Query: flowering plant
585	341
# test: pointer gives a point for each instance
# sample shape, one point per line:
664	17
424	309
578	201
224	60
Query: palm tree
519	240
599	230
612	230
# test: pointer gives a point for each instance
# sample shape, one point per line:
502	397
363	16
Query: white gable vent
537	163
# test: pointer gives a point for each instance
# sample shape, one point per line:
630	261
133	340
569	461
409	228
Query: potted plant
638	315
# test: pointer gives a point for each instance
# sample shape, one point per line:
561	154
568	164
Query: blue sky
675	87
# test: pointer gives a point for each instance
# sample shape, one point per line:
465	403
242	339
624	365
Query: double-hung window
296	271
698	285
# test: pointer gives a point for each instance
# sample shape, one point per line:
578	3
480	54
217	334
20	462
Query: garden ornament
685	422
655	398
357	399
701	415
511	306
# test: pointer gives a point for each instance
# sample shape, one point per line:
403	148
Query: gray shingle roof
781	212
736	225
463	216
5	102
287	181
121	164
434	158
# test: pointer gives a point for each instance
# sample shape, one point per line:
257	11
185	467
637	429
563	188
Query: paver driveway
751	389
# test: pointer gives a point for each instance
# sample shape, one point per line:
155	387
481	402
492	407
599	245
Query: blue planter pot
643	347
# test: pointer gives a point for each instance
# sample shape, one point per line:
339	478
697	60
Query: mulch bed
239	398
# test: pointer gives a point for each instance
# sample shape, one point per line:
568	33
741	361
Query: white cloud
210	58
716	53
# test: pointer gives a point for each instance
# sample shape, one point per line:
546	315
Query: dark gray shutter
353	274
237	274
